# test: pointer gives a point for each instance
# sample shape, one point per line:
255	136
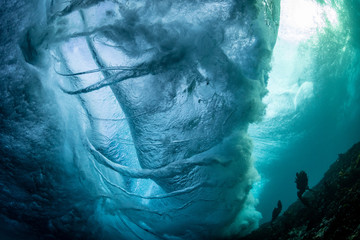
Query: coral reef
334	207
276	212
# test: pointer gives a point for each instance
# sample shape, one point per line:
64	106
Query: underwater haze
164	119
313	103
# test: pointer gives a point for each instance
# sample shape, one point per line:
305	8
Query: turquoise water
313	110
165	154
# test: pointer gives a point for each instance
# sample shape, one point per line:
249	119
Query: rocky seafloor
333	207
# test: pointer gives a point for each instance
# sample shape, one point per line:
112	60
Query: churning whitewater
134	116
150	119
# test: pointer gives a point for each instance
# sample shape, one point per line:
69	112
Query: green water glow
313	110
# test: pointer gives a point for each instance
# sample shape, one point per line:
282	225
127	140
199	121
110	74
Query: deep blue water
159	120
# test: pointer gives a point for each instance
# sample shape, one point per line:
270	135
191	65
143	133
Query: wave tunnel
146	119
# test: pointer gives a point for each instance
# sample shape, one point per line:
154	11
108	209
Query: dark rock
334	207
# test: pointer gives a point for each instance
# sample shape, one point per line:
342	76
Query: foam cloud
134	116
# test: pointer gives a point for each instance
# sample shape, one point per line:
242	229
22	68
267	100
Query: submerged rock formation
333	211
